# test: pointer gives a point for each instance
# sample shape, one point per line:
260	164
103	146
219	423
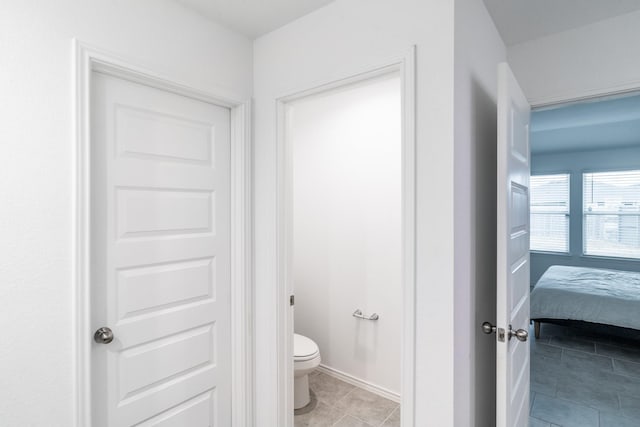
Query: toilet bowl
306	358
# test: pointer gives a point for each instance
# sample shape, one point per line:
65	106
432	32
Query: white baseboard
380	391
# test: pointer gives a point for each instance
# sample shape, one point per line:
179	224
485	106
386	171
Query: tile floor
585	377
335	403
579	378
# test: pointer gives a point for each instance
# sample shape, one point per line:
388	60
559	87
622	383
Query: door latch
489	329
292	300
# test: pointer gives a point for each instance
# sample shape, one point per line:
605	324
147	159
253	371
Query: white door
513	253
159	257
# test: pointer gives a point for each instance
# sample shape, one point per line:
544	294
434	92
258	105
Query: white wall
36	169
592	59
347	227
346	37
478	50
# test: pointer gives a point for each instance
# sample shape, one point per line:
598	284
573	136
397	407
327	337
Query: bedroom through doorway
585	263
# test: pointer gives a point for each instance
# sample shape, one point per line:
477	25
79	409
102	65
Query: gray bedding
609	297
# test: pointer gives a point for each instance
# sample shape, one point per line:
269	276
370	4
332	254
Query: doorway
346	259
155	293
585	247
316	211
583	338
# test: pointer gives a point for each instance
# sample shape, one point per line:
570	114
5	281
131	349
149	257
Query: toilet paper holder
359	315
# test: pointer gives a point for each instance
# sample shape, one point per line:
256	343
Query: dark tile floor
585	377
339	404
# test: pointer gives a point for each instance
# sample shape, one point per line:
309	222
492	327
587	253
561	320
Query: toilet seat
304	348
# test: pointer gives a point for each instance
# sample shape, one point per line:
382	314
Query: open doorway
346	260
585	263
346	218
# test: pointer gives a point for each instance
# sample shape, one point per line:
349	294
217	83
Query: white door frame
405	67
584	95
88	59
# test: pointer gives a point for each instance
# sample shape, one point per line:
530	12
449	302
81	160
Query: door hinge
292	300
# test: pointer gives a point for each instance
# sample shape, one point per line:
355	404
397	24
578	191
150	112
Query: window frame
583	214
569	175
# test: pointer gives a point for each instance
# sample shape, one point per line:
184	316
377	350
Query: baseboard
380	391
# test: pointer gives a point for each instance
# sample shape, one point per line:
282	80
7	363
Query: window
550	213
612	214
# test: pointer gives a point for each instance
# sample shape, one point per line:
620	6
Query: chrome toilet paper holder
359	315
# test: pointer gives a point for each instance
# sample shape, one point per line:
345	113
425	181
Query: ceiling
523	20
254	18
590	125
517	20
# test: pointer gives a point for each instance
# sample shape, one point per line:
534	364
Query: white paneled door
513	253
160	267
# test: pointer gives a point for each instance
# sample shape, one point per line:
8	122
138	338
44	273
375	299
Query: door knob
520	334
103	335
488	328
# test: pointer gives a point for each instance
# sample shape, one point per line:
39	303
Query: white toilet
306	358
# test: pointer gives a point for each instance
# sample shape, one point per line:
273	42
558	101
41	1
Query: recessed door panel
154	364
161	212
154	134
198	412
142	290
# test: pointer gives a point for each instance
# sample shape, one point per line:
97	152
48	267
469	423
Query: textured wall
37	167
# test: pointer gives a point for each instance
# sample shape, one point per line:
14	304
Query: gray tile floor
585	378
339	404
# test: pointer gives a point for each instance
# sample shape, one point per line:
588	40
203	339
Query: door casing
88	59
404	66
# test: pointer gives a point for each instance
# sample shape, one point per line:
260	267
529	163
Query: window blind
611	208
550	213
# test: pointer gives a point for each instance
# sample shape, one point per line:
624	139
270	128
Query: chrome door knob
488	328
520	334
103	335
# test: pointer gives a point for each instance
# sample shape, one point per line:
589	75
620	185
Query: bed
608	297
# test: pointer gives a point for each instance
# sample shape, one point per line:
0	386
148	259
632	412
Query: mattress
610	297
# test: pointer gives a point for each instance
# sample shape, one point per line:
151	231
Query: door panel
191	413
160	257
512	377
148	134
144	289
163	212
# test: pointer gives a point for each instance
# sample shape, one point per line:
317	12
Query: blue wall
575	163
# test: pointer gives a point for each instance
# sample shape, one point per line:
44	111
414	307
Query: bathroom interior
346	197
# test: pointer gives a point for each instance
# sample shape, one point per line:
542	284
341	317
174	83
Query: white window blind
612	214
550	213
